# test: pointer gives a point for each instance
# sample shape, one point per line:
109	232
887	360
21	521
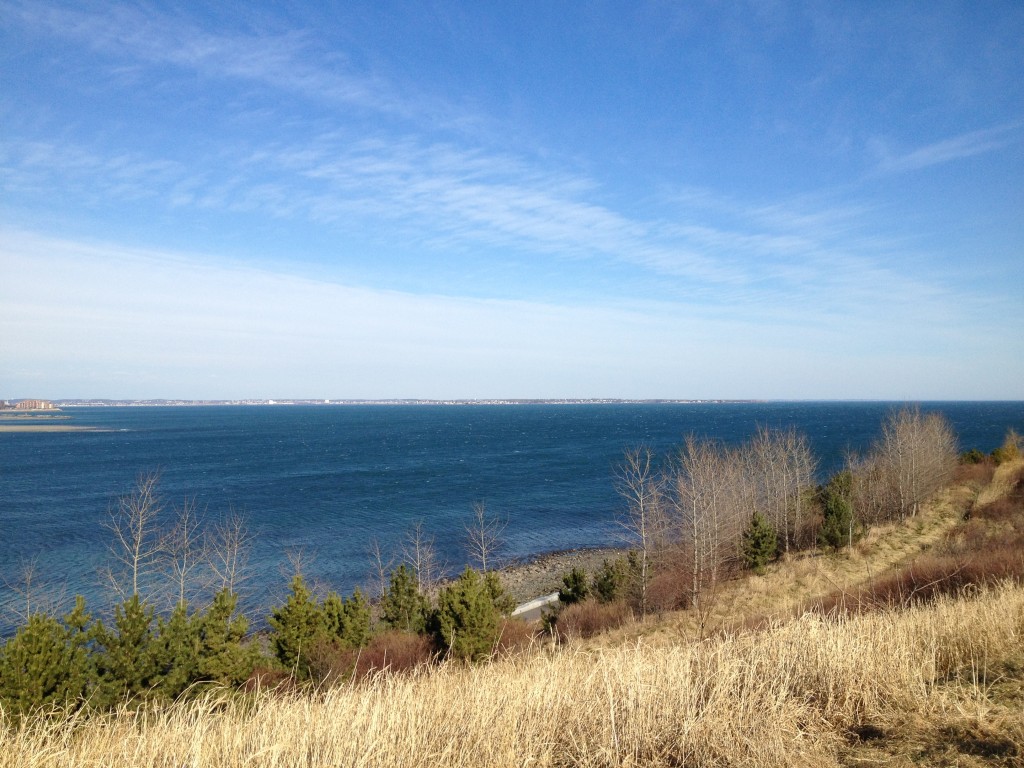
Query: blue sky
530	199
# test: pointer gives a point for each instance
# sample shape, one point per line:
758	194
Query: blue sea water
327	479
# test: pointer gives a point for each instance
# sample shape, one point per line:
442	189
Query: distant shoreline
46	428
391	402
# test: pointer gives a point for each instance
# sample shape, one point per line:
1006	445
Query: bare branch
183	551
381	567
483	536
227	549
645	521
419	552
135	546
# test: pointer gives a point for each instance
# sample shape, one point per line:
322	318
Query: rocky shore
542	575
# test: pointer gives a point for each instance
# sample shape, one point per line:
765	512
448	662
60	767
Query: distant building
34	405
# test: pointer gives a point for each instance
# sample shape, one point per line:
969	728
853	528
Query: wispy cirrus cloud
446	191
793	260
139	37
947	150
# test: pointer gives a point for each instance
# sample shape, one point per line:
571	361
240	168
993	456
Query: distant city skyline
378	201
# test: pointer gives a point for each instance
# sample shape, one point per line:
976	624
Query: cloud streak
949	150
283	61
703	249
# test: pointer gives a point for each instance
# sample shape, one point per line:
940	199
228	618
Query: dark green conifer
760	543
610	580
504	603
224	658
175	650
296	624
43	665
348	620
574	587
126	663
403	606
838	527
466	621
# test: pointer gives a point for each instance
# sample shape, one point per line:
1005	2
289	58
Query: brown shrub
808	529
515	636
268	679
669	590
928	578
586	619
389	652
394	651
979	474
972	536
1007	507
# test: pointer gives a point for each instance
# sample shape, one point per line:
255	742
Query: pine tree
297	625
348	620
43	664
610	580
175	650
403	606
504	603
838	527
223	656
760	543
466	621
574	587
127	665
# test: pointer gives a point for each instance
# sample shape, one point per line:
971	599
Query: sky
767	200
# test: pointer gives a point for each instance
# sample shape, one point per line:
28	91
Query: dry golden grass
1003	479
789	585
939	684
789	695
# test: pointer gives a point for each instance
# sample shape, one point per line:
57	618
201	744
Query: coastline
39	421
45	428
535	576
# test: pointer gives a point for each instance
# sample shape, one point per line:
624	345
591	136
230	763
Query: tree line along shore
697	522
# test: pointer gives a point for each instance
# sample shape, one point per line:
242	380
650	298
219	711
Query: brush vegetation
878	619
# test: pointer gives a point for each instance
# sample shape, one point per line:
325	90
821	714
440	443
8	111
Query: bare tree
26	587
918	454
183	552
780	468
134	523
36	597
227	547
419	552
804	464
870	488
381	566
298	560
709	502
483	536
645	522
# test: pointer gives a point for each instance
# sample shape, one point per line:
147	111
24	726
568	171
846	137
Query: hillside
931	682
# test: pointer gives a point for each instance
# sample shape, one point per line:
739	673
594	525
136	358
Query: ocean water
325	480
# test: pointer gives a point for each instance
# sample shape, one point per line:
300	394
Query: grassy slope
938	684
981	717
791	584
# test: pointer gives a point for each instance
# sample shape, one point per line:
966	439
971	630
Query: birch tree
636	480
483	536
183	552
708	498
133	522
419	552
782	467
918	453
228	548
